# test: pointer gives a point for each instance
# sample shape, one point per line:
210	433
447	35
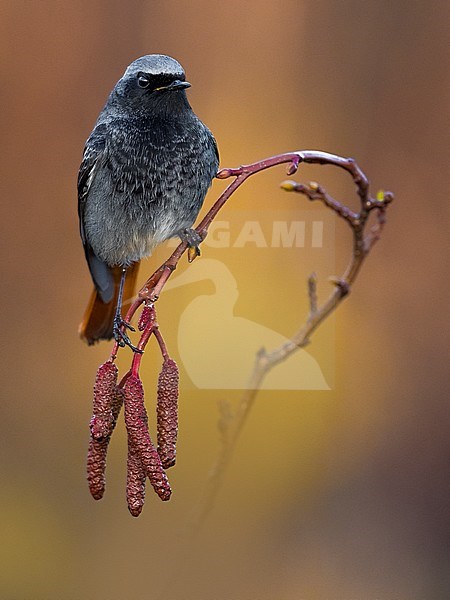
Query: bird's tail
98	319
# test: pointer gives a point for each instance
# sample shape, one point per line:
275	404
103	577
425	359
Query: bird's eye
143	81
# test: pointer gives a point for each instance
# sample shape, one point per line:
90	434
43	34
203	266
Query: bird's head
152	80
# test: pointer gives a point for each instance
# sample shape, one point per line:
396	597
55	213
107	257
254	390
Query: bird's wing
92	158
93	153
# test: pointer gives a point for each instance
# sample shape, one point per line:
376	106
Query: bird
147	166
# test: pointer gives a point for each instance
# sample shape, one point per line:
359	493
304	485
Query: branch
151	290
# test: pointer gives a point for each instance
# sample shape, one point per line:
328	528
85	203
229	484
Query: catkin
167	412
104	391
136	422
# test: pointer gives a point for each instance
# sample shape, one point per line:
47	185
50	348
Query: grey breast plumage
146	168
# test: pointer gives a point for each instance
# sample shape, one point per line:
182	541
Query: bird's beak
175	85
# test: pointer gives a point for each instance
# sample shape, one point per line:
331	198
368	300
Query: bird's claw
193	240
127	325
120	334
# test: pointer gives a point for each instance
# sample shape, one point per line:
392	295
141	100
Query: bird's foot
193	240
120	333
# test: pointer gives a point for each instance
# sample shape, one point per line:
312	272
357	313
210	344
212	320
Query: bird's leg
193	240
120	326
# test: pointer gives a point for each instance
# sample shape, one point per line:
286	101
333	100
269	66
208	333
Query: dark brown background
330	495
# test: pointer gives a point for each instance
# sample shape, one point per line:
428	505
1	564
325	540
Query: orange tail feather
97	323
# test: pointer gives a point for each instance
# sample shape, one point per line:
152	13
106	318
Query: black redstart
147	166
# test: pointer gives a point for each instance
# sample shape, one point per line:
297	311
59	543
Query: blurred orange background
332	495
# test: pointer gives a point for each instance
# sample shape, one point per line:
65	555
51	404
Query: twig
312	293
151	290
